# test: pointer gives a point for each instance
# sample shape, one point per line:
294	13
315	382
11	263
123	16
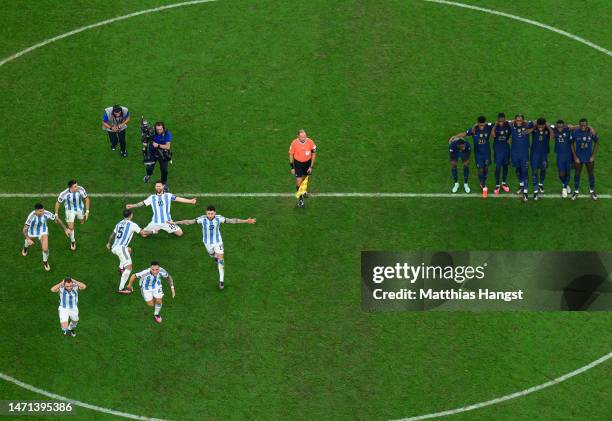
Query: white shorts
149	294
213	249
71	214
169	228
68	313
123	253
33	237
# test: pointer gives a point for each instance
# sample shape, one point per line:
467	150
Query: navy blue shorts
483	161
584	158
460	155
520	162
564	163
538	161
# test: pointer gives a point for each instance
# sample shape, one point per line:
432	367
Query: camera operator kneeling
156	148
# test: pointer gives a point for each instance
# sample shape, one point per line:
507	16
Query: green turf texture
380	86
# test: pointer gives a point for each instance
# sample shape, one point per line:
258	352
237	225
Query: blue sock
454	174
466	174
504	174
534	176
542	175
592	182
576	182
497	171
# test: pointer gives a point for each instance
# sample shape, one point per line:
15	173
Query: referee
302	153
114	122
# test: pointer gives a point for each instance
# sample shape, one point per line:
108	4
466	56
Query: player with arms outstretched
68	290
160	202
211	235
36	227
151	286
76	204
118	243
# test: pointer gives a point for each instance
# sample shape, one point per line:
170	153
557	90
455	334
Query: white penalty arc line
391	195
73	401
194	2
515	394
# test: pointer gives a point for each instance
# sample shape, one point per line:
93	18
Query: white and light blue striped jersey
149	282
73	201
69	299
211	229
160	203
124	231
37	225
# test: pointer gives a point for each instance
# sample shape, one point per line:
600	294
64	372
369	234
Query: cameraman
157	149
114	122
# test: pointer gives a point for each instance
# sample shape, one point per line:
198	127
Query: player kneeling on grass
211	235
584	147
68	291
460	149
76	204
160	202
151	287
120	239
36	227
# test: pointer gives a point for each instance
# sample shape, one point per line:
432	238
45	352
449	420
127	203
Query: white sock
124	278
221	267
72	236
157	309
72	325
45	256
25	244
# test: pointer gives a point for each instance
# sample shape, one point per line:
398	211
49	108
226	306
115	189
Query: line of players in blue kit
575	146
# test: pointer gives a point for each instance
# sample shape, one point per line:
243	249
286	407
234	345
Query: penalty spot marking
73	401
391	195
194	2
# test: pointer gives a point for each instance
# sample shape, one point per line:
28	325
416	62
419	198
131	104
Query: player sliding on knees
211	235
160	202
76	205
151	287
480	132
68	290
36	227
302	154
120	239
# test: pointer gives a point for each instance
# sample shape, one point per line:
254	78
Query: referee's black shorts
301	168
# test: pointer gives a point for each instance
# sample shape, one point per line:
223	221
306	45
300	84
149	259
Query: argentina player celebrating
68	291
76	204
151	286
160	202
120	239
211	235
36	227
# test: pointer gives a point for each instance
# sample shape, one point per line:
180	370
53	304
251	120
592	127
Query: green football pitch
379	86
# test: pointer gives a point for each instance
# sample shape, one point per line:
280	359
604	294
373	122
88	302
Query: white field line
515	394
398	195
73	401
525	20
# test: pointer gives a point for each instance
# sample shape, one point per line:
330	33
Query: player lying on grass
302	154
460	149
68	290
585	144
481	133
160	203
211	235
36	227
76	205
501	152
540	146
151	287
120	239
